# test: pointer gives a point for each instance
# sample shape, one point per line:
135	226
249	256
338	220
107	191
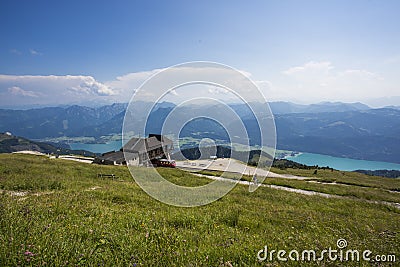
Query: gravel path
302	191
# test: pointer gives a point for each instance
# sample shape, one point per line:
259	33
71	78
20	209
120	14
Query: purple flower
28	253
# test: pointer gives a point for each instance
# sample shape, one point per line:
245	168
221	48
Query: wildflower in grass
133	258
28	253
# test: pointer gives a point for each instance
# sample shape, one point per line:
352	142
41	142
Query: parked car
163	163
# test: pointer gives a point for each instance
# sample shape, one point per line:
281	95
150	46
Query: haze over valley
331	128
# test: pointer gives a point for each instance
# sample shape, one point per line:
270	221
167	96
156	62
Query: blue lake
344	164
98	148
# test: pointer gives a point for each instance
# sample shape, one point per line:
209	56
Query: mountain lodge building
139	151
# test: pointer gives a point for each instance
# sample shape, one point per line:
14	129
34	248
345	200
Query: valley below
336	129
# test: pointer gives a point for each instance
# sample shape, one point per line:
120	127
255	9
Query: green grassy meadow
56	212
346	184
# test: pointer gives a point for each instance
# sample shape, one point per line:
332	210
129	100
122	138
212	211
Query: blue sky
301	51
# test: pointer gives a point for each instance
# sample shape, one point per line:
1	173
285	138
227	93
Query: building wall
144	158
134	162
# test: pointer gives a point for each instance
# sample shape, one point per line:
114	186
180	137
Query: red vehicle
163	163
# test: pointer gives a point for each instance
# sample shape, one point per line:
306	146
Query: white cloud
311	82
16	52
35	52
308	83
54	90
321	81
50	89
15	90
312	66
217	90
173	92
127	85
362	74
89	85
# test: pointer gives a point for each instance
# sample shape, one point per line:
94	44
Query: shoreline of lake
98	147
343	164
311	159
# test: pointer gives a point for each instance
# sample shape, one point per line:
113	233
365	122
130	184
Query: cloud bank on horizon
310	82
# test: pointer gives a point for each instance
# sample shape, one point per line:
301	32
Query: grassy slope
348	184
352	178
118	224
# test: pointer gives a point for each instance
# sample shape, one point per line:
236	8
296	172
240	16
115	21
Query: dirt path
302	191
232	165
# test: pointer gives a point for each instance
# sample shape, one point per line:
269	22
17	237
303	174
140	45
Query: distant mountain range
288	107
338	129
368	134
56	121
